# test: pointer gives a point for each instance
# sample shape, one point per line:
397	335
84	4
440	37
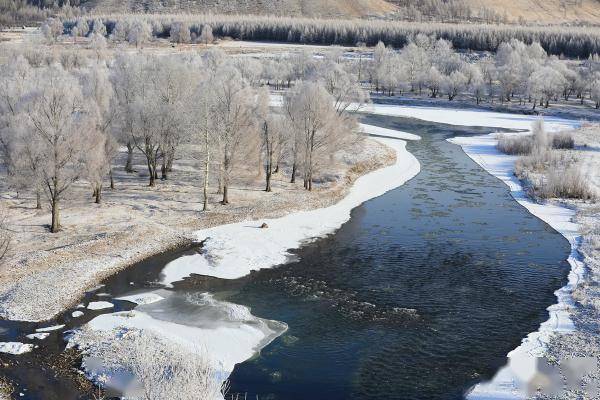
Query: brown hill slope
307	8
532	11
544	11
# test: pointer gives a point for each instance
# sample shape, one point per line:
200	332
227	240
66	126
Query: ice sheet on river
228	332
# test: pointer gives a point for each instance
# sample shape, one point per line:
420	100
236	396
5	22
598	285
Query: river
419	296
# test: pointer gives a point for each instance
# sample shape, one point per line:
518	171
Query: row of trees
517	72
68	126
569	41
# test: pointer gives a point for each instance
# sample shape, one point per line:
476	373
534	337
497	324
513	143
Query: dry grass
515	145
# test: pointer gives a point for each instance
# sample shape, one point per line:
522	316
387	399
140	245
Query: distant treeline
569	41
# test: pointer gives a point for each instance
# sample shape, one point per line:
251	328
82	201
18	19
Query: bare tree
311	110
206	36
205	128
272	135
234	120
52	29
180	32
58	119
5	235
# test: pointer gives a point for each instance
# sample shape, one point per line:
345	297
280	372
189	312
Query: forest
575	42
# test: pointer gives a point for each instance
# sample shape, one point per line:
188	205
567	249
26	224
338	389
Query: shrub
563	140
569	183
518	145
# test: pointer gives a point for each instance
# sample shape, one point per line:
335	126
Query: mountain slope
544	11
307	8
533	11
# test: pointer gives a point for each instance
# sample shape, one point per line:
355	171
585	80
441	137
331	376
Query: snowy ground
135	222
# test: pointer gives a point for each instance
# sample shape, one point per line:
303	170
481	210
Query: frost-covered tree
454	83
126	78
206	35
98	27
52	29
139	32
595	91
235	123
342	85
180	32
80	30
273	135
434	81
58	121
309	108
96	86
204	127
544	85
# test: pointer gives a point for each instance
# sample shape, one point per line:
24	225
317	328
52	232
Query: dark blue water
419	296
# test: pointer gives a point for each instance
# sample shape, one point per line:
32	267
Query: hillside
544	11
307	8
532	11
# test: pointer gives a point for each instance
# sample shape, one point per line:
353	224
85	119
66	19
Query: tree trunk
163	168
269	168
151	173
206	171
38	200
112	179
129	163
55	227
98	193
225	195
294	168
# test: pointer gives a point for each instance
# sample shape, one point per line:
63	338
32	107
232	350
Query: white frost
15	347
99	305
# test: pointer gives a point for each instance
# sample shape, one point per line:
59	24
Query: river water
419	296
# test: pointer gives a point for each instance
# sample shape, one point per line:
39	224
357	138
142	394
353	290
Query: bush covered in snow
146	366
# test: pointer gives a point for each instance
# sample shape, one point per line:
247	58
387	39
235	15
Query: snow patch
142	298
50	328
15	348
391	133
76	314
39	336
99	305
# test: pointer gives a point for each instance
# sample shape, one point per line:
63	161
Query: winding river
419	296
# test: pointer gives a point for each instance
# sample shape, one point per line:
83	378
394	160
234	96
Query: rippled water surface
419	296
